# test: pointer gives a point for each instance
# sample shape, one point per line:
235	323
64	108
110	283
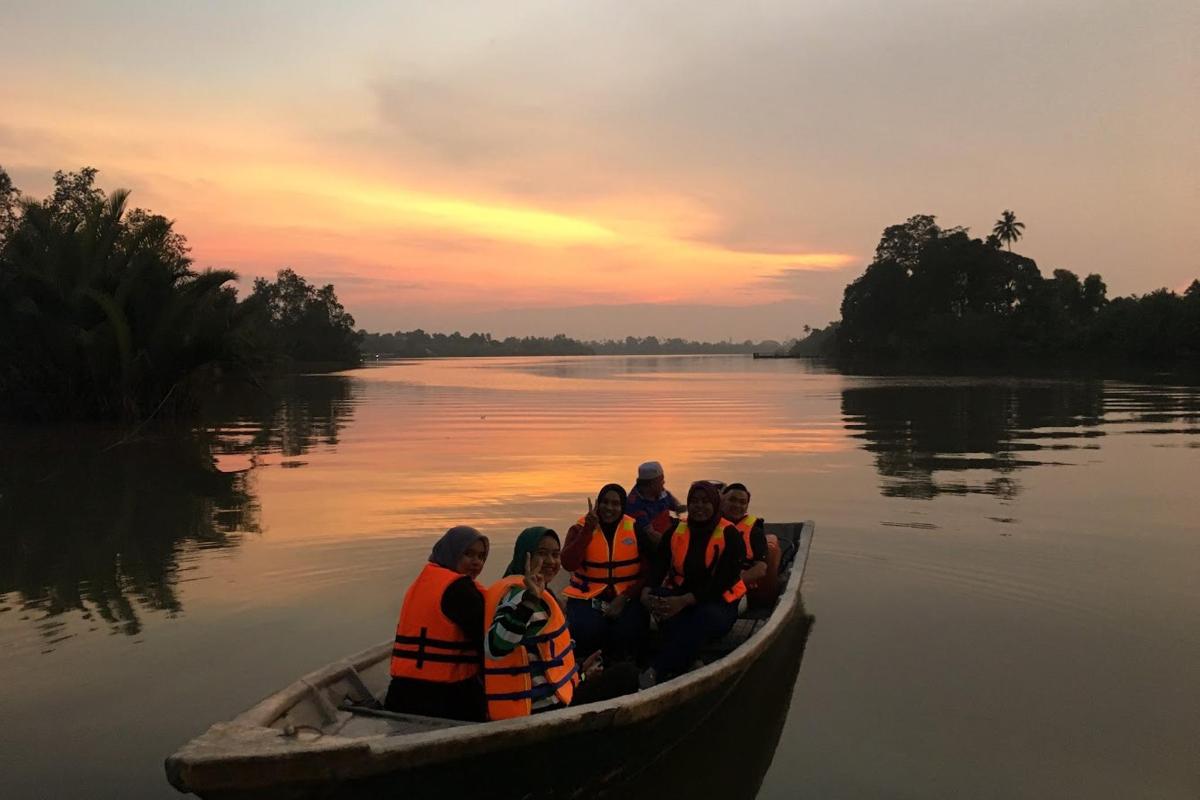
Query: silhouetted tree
938	292
1007	229
303	323
1095	293
101	313
10	202
817	342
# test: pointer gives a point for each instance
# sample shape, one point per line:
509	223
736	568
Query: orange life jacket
744	527
429	646
618	566
508	682
766	591
716	544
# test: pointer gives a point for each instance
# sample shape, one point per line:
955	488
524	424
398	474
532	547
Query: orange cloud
256	197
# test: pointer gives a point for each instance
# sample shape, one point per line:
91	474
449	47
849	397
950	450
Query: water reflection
1165	410
95	531
98	529
290	417
918	430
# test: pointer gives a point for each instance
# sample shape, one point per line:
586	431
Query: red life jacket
429	646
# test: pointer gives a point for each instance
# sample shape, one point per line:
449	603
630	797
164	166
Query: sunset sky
706	170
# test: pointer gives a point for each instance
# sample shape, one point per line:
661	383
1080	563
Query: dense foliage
102	315
934	292
302	323
816	342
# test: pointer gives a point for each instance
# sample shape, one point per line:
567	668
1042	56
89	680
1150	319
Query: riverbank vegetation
103	314
938	293
419	344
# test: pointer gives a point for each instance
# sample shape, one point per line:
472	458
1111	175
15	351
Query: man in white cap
650	504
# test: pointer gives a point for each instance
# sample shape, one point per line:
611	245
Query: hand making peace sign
535	582
590	520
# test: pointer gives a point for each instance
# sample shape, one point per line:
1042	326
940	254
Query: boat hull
724	737
610	748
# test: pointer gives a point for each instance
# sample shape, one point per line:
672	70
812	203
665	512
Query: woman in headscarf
529	661
695	583
604	553
438	652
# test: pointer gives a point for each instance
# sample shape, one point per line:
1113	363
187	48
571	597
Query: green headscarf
526	543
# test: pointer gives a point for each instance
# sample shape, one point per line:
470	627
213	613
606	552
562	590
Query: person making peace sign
529	659
604	552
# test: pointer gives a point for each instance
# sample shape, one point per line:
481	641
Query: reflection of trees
100	529
917	430
288	417
1158	407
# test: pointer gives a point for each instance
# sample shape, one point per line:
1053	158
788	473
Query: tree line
938	293
420	344
103	314
652	345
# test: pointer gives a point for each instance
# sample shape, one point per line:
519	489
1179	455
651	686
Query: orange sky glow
540	171
414	239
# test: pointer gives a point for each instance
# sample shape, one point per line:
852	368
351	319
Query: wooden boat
326	737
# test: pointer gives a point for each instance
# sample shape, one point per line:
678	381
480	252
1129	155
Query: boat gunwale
236	754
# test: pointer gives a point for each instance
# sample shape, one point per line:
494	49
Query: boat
327	736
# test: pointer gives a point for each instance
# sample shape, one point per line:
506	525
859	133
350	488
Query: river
1004	574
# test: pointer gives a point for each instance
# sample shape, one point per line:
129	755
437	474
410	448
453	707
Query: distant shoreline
1183	374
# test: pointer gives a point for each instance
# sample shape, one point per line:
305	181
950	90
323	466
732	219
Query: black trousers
462	700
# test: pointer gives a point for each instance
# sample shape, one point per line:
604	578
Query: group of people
469	652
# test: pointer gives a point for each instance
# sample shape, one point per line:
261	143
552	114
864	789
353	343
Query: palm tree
1007	229
102	315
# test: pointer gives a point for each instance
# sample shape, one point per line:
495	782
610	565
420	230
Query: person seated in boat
735	507
694	584
438	654
605	555
529	661
650	504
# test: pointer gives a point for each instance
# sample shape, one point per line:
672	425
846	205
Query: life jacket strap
545	637
469	652
629	562
536	692
583	584
442	643
421	657
534	664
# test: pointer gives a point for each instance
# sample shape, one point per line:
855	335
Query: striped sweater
516	620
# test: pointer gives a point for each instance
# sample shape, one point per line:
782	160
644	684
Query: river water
1005	576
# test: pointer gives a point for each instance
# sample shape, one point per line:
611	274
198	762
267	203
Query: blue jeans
619	638
684	634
